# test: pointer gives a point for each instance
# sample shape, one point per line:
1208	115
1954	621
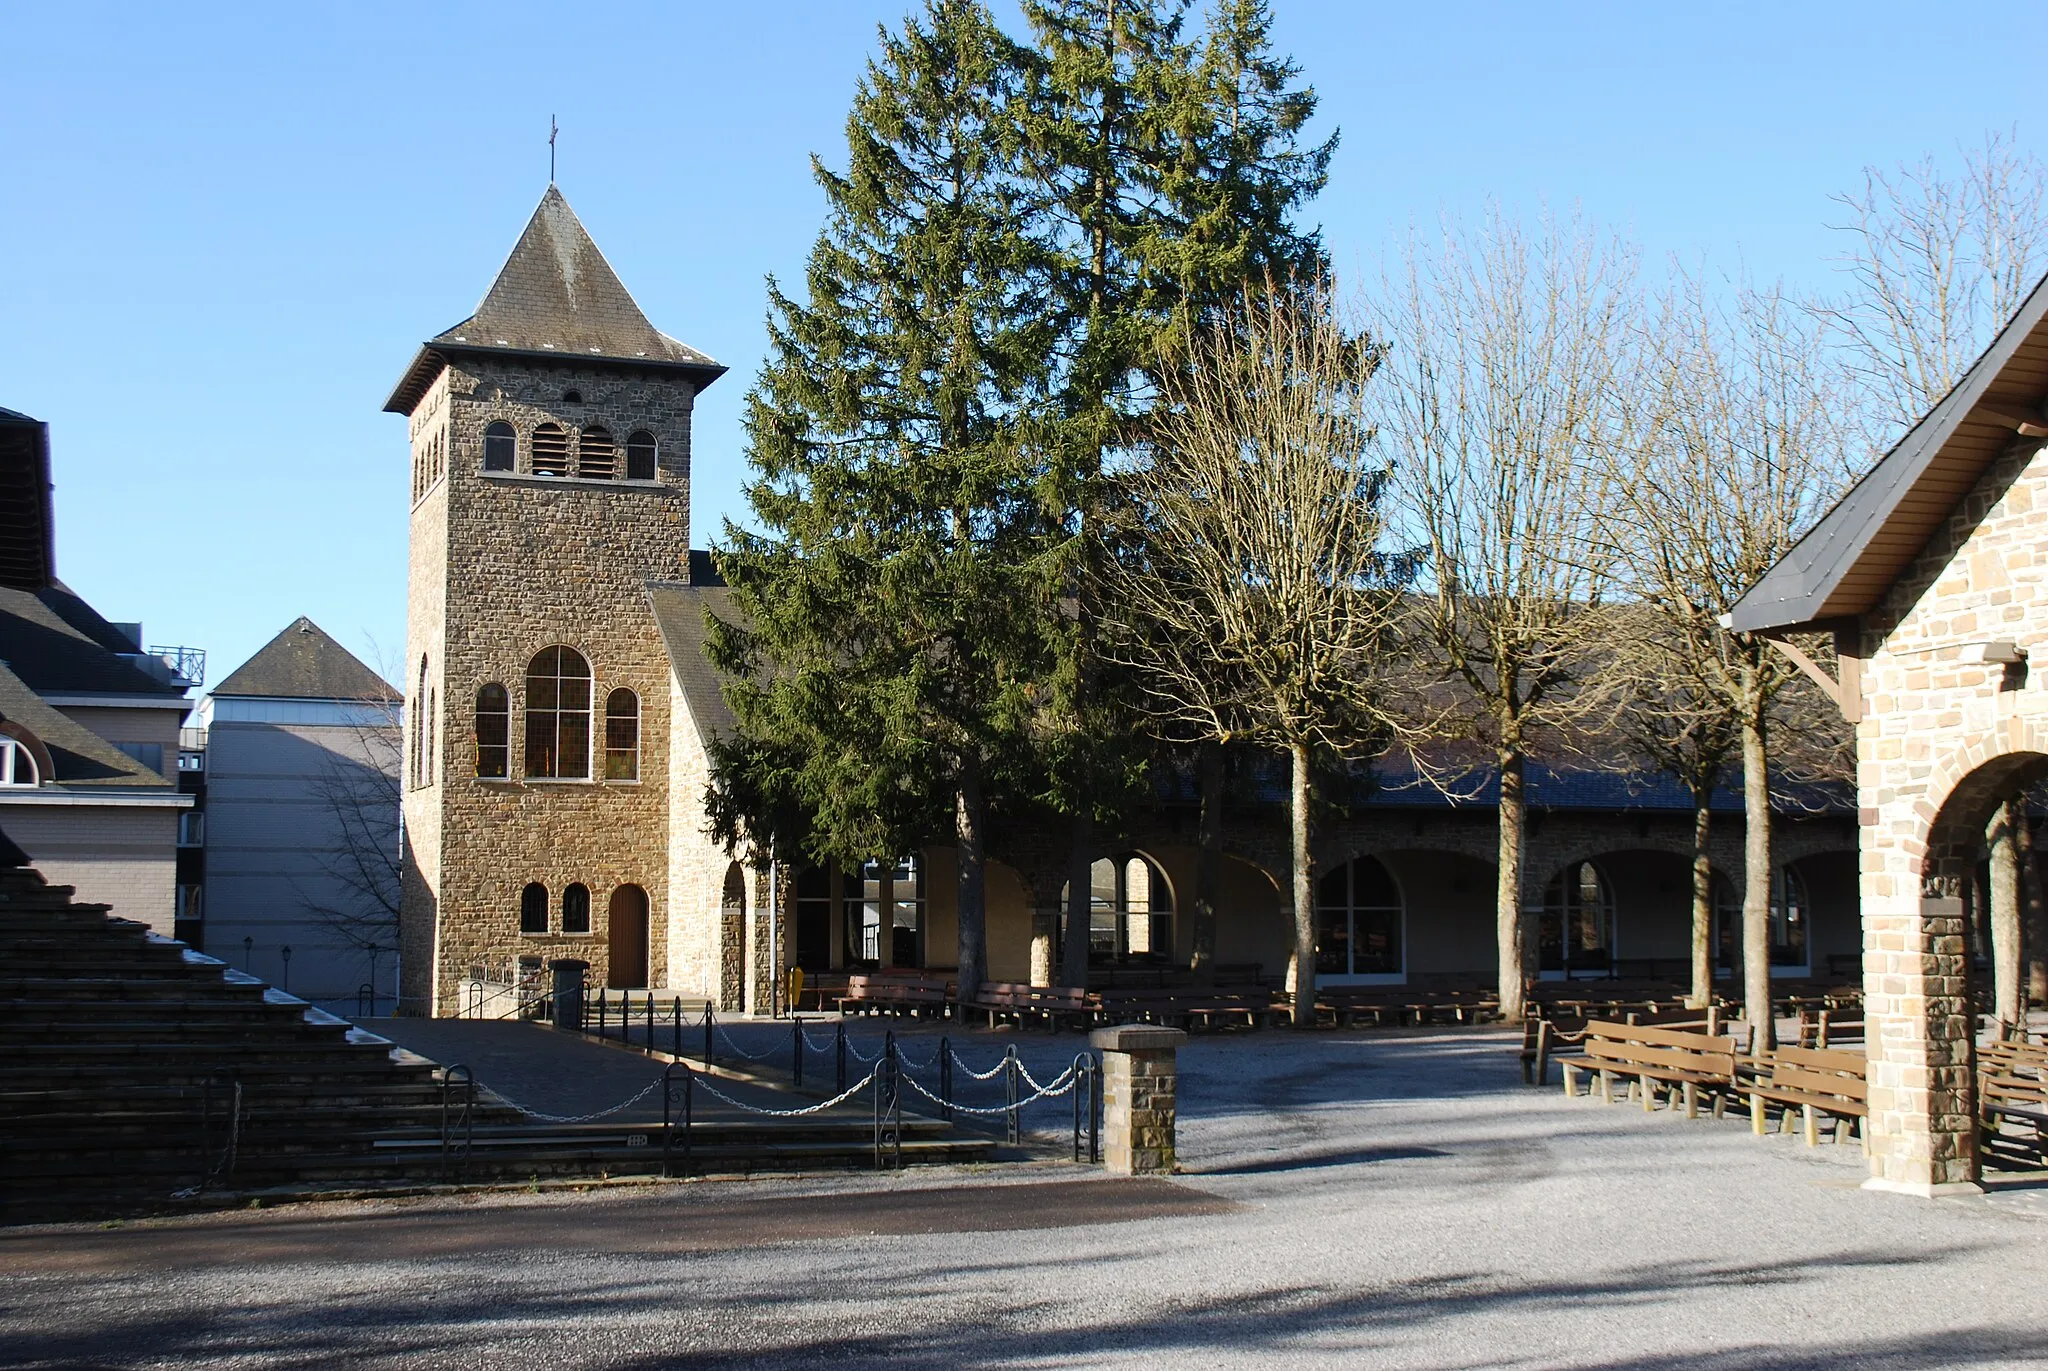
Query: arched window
1130	910
17	763
622	736
558	716
550	451
1578	921
1790	915
641	451
433	713
501	446
597	457
493	732
1359	921
419	726
576	908
533	909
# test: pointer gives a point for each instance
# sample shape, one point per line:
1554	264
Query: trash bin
569	992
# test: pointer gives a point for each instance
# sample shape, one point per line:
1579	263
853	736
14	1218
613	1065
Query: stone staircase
137	1074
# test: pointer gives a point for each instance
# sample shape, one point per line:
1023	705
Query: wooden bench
1654	1059
1190	1007
896	992
2012	1087
1050	1004
1825	1028
1814	1082
1543	1035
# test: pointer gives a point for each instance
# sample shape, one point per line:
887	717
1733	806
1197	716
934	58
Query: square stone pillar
1139	1071
1916	997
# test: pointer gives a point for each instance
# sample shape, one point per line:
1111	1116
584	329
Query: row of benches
1062	1006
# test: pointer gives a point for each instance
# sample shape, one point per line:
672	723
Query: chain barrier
841	1098
861	1057
1061	1084
645	1091
742	1052
987	1075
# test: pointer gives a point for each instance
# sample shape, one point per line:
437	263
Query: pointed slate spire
556	295
304	663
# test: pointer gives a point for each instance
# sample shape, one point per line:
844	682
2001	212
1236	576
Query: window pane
533	909
501	447
640	456
540	743
574	759
576	909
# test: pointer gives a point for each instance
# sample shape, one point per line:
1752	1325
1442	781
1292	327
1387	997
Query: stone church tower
551	486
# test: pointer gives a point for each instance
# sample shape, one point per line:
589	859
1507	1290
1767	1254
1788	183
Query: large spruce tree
899	597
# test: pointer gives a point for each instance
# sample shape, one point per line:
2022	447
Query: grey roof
304	663
81	758
1848	561
556	296
680	610
56	642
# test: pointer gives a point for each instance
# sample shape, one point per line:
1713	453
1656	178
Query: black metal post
679	1027
650	1021
457	1117
796	1050
707	1035
946	1078
669	1115
1015	1129
600	1011
1084	1095
841	1046
1095	1108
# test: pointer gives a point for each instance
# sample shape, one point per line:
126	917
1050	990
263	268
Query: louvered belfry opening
550	451
597	457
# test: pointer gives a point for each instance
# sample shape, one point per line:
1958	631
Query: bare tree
357	789
1503	354
1939	259
1735	454
1255	598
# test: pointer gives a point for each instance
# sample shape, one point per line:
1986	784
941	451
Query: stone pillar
1923	1135
1138	1085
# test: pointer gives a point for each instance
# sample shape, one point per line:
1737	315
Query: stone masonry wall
1930	720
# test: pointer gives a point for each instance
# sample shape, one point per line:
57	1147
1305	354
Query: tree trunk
1702	901
2005	913
973	888
2034	906
1208	864
1304	895
1080	899
1756	872
1507	896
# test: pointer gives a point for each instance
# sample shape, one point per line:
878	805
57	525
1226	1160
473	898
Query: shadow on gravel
645	1320
1357	1156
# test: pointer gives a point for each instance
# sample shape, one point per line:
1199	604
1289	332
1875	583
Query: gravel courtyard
1370	1199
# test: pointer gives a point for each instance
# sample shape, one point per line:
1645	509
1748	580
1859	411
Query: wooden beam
1847	693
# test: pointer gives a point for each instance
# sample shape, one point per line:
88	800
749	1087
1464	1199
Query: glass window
493	732
501	446
885	914
1577	932
1359	918
622	736
597	457
18	764
1790	915
576	908
1130	908
533	909
191	828
641	454
558	716
550	450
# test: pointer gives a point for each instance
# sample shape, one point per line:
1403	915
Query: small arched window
493	732
1358	921
433	713
597	456
558	716
641	451
550	450
17	764
501	446
622	736
533	909
576	909
419	726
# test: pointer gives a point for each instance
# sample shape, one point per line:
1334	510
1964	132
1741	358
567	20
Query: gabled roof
80	758
304	663
1848	561
555	297
679	610
59	644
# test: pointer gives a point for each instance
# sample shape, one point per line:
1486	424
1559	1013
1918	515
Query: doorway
628	934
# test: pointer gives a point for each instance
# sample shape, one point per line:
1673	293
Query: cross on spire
552	131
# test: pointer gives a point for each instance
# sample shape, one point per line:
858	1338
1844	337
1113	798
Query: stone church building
559	707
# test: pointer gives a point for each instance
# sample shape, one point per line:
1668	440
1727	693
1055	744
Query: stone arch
732	938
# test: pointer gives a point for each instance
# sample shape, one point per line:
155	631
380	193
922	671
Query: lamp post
286	953
248	951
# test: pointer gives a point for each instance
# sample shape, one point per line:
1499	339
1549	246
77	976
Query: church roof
555	297
1849	560
304	663
680	611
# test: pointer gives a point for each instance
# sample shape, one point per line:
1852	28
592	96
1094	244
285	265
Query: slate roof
1848	561
57	643
556	296
304	663
82	758
679	610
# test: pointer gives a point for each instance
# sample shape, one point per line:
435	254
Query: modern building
560	709
89	718
299	748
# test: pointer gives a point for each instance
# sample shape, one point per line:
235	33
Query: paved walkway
1380	1200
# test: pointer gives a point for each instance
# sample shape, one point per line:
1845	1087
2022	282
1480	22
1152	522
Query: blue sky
225	228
